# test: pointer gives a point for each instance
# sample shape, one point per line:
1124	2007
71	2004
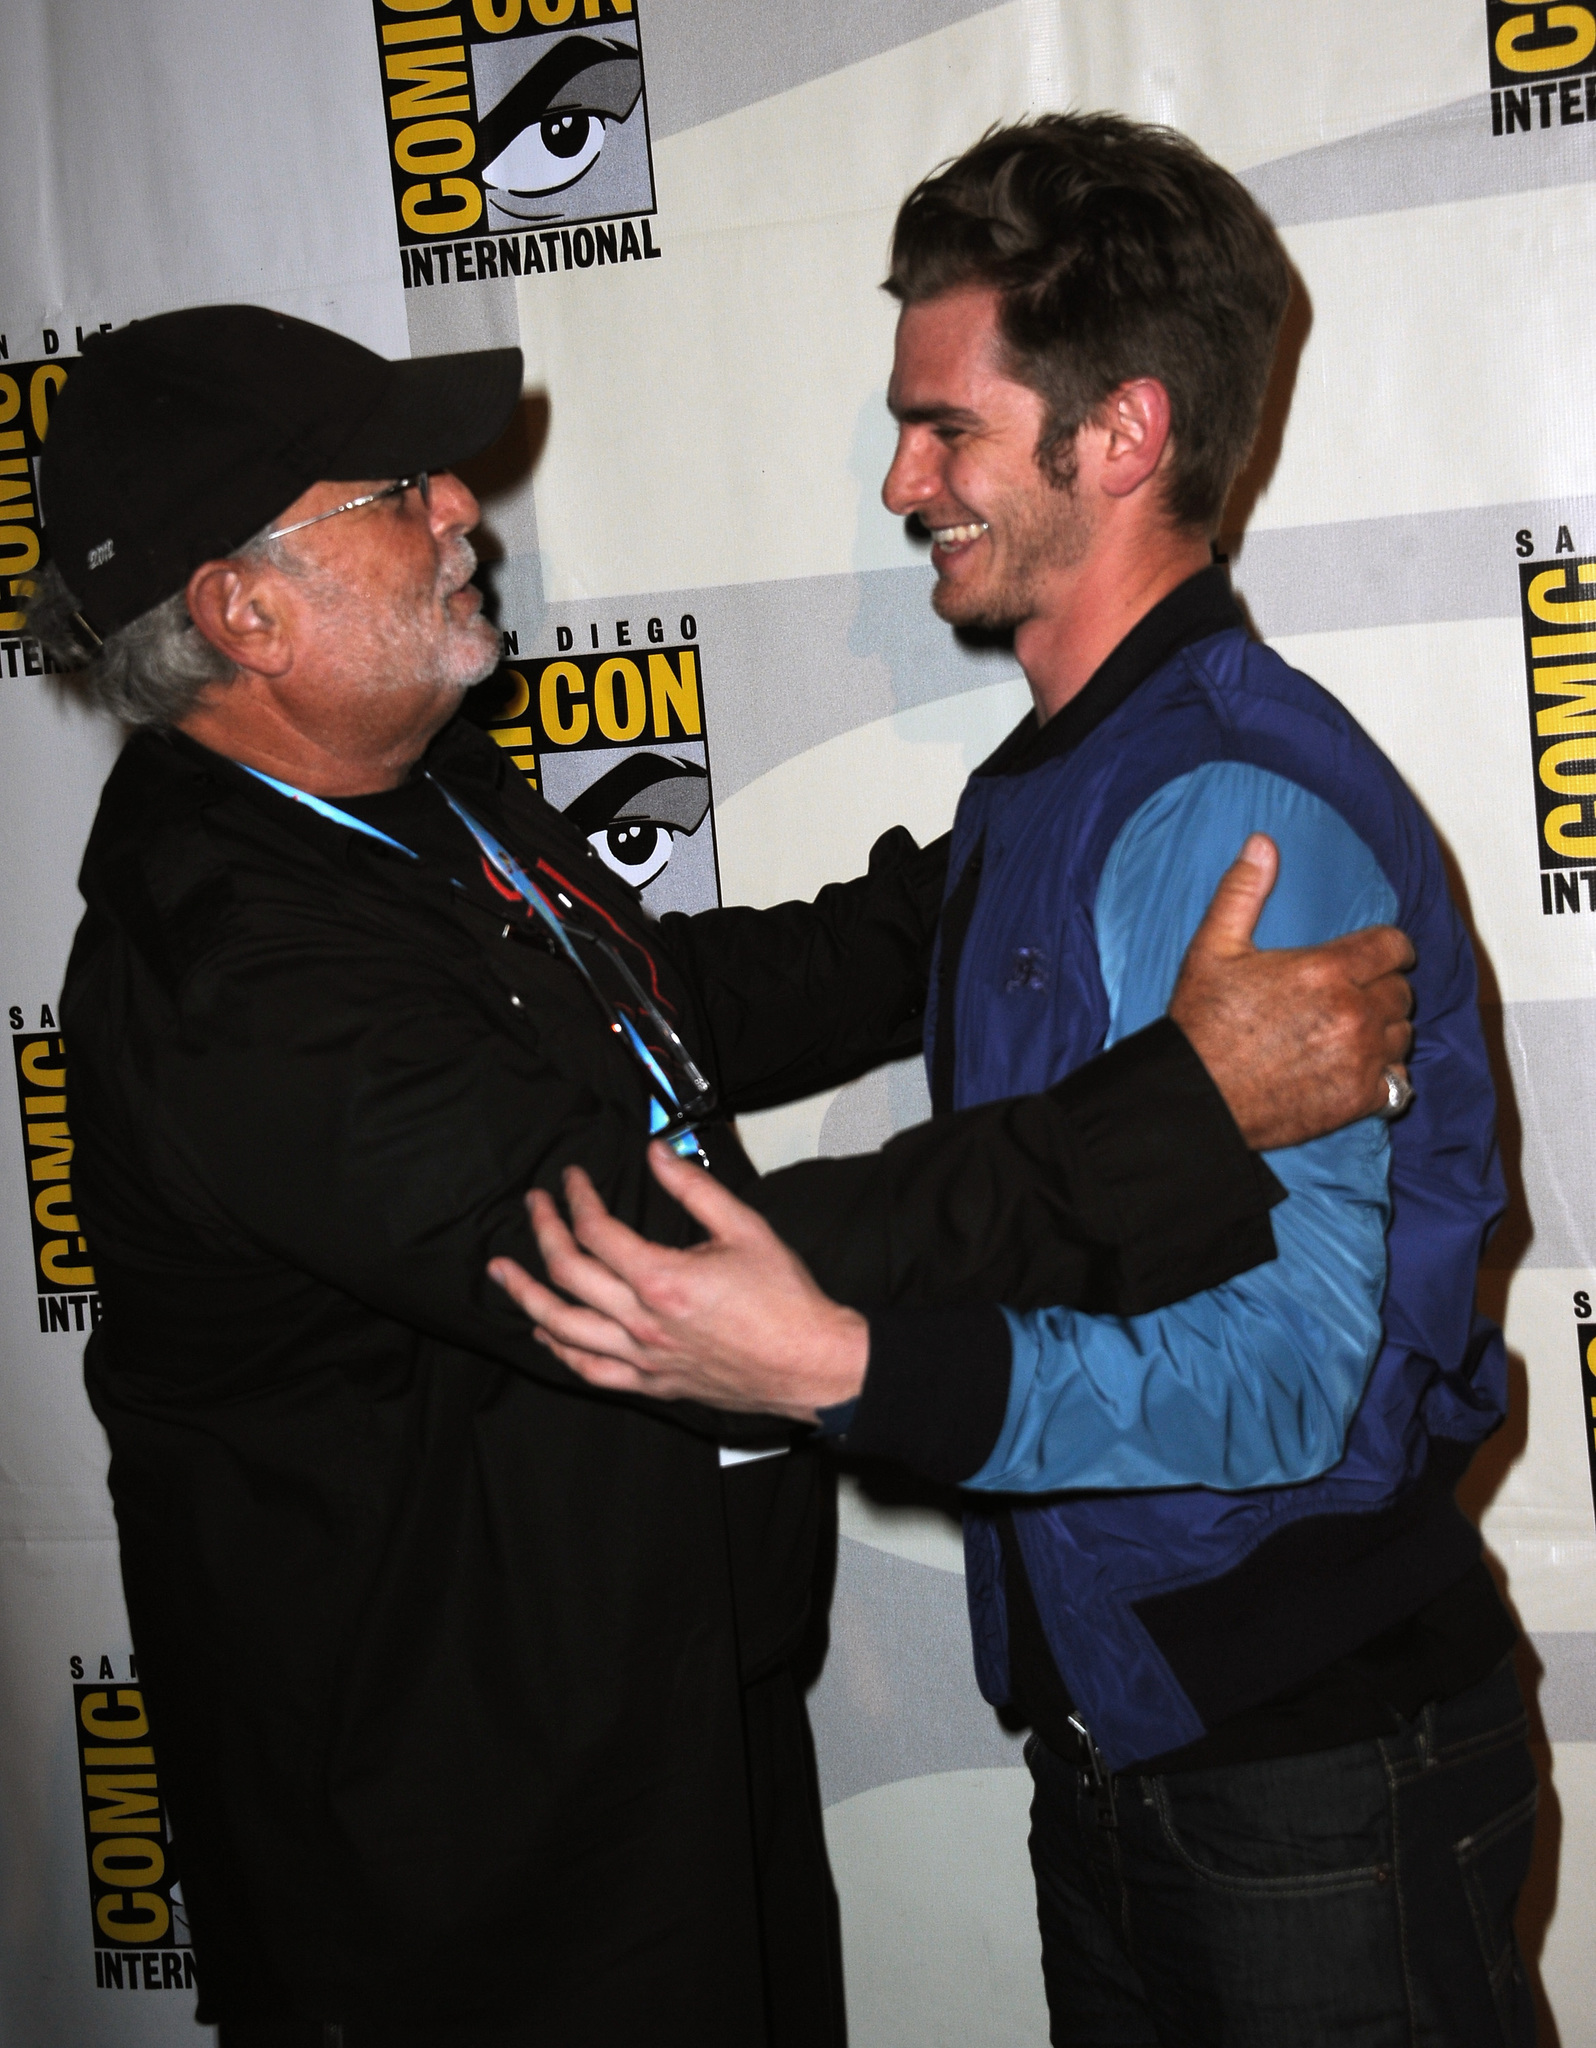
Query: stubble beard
1029	536
412	645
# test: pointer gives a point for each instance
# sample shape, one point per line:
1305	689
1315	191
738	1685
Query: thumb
1243	890
702	1196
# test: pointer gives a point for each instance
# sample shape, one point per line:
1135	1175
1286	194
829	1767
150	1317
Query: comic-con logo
62	1274
1543	66
139	1923
524	125
617	742
27	392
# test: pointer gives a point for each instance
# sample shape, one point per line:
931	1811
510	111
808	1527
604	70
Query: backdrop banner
721	659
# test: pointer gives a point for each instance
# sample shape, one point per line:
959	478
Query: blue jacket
1259	1479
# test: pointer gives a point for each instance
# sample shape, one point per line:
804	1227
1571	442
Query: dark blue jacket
1259	1479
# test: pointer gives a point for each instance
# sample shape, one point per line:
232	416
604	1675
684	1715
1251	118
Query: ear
1134	424
239	611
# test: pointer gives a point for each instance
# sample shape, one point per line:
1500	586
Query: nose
453	508
913	478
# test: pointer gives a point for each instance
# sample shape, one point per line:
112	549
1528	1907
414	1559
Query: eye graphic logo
617	743
505	120
635	812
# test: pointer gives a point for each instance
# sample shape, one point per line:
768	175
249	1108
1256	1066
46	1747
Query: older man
1283	1792
471	1685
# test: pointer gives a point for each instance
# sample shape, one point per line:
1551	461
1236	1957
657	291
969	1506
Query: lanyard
514	876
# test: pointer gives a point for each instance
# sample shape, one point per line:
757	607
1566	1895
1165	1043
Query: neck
328	746
1095	604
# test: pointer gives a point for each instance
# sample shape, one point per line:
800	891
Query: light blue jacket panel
1253	1383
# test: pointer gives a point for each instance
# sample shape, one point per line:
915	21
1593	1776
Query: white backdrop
707	355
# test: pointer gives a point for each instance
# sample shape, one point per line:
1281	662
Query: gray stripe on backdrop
792	663
898	1698
1409	569
719	55
1547	1128
795	661
1429	159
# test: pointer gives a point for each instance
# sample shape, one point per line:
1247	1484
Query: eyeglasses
395	490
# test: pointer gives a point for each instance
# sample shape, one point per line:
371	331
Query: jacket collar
1194	610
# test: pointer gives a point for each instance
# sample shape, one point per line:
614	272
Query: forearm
804	996
1125	1186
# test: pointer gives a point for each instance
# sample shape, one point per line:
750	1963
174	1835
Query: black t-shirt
417	815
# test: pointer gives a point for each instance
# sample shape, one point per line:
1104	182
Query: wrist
837	1359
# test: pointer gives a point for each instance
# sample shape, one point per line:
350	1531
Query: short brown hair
1118	251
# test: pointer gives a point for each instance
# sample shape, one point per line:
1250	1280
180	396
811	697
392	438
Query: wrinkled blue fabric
1190	1438
1253	1383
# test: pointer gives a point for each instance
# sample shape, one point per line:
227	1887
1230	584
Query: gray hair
150	671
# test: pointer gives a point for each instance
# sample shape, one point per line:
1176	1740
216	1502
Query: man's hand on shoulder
1298	1040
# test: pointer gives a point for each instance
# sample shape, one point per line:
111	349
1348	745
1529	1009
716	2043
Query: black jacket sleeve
804	996
1124	1188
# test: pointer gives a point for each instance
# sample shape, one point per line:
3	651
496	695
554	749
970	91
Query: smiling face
1004	533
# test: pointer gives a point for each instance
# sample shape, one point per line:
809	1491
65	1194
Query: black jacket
440	1646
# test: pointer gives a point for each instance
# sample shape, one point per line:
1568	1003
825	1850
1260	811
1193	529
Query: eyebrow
933	415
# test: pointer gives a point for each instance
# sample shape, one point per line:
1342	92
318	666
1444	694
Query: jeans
1361	1897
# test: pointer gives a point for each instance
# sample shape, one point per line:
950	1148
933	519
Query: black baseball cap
176	438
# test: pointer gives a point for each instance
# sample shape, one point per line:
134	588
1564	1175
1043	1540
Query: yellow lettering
10	406
1574	48
147	1860
420	213
54	1164
50	1257
424	96
46	381
1561	837
1545	646
133	1809
46	1204
1582	612
124	1753
565	724
1579	715
669	688
512	735
549	12
499	20
436	30
413	150
42	1077
11	491
628	674
148	1921
44	1105
26	544
410	7
124	1727
1550	767
523	697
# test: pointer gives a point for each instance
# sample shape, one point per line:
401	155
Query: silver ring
1398	1093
